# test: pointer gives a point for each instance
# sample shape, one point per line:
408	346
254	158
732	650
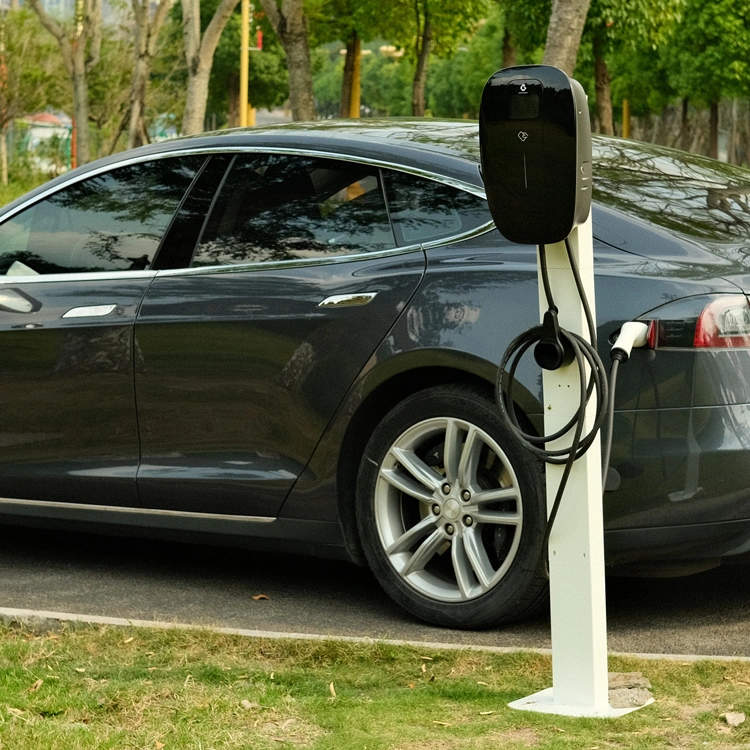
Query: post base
543	702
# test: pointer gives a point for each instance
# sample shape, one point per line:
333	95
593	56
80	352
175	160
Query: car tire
451	511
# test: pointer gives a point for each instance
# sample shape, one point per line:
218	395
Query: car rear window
424	210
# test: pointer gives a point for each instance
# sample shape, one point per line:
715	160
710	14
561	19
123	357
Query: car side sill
264	527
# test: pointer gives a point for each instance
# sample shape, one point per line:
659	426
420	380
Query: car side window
423	210
274	207
110	222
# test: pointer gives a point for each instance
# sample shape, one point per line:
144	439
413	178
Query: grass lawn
106	687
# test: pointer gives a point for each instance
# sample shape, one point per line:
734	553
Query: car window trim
47	278
208	150
281	264
450	181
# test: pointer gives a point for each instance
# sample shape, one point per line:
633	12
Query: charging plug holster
552	351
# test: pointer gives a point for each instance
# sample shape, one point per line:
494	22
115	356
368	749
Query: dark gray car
290	336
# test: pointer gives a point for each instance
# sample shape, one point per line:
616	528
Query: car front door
73	271
248	345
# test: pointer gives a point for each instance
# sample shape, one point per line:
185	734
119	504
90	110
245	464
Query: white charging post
535	146
576	546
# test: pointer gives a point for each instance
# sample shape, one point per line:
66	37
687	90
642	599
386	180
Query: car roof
450	149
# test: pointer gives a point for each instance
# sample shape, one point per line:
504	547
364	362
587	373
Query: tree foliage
708	56
36	78
268	78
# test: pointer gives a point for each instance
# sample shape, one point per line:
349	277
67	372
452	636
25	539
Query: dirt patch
433	745
294	731
525	737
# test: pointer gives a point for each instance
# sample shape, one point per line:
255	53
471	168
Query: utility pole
356	93
247	111
626	118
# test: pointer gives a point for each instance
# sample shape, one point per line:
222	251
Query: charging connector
632	335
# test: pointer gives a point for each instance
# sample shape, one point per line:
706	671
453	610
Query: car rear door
73	270
248	345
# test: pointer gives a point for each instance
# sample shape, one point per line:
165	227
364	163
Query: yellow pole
244	61
354	97
626	118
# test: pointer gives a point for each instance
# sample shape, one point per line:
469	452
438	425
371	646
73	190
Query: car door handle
94	311
348	300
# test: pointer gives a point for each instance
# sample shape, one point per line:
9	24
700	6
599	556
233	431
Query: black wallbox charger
535	146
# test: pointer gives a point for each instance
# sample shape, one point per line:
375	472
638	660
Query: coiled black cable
584	354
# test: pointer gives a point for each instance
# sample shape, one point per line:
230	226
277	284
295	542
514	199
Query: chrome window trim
285	150
281	264
460	184
13	504
46	278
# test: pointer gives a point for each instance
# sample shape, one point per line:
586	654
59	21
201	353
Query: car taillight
723	324
704	322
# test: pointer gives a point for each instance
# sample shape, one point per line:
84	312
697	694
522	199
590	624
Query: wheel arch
384	396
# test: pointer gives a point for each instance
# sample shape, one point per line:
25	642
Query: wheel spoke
467	467
461	567
424	553
504	518
418	468
408	485
409	538
452	450
490	496
478	558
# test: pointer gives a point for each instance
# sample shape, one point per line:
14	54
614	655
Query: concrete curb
35	617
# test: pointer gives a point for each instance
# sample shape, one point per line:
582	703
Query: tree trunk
80	58
603	93
199	54
233	116
301	98
733	136
141	72
290	25
146	35
684	127
509	50
346	83
81	107
564	33
196	99
713	131
420	73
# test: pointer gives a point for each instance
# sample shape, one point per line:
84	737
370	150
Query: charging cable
554	347
632	335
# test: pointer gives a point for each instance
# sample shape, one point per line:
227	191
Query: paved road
704	614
